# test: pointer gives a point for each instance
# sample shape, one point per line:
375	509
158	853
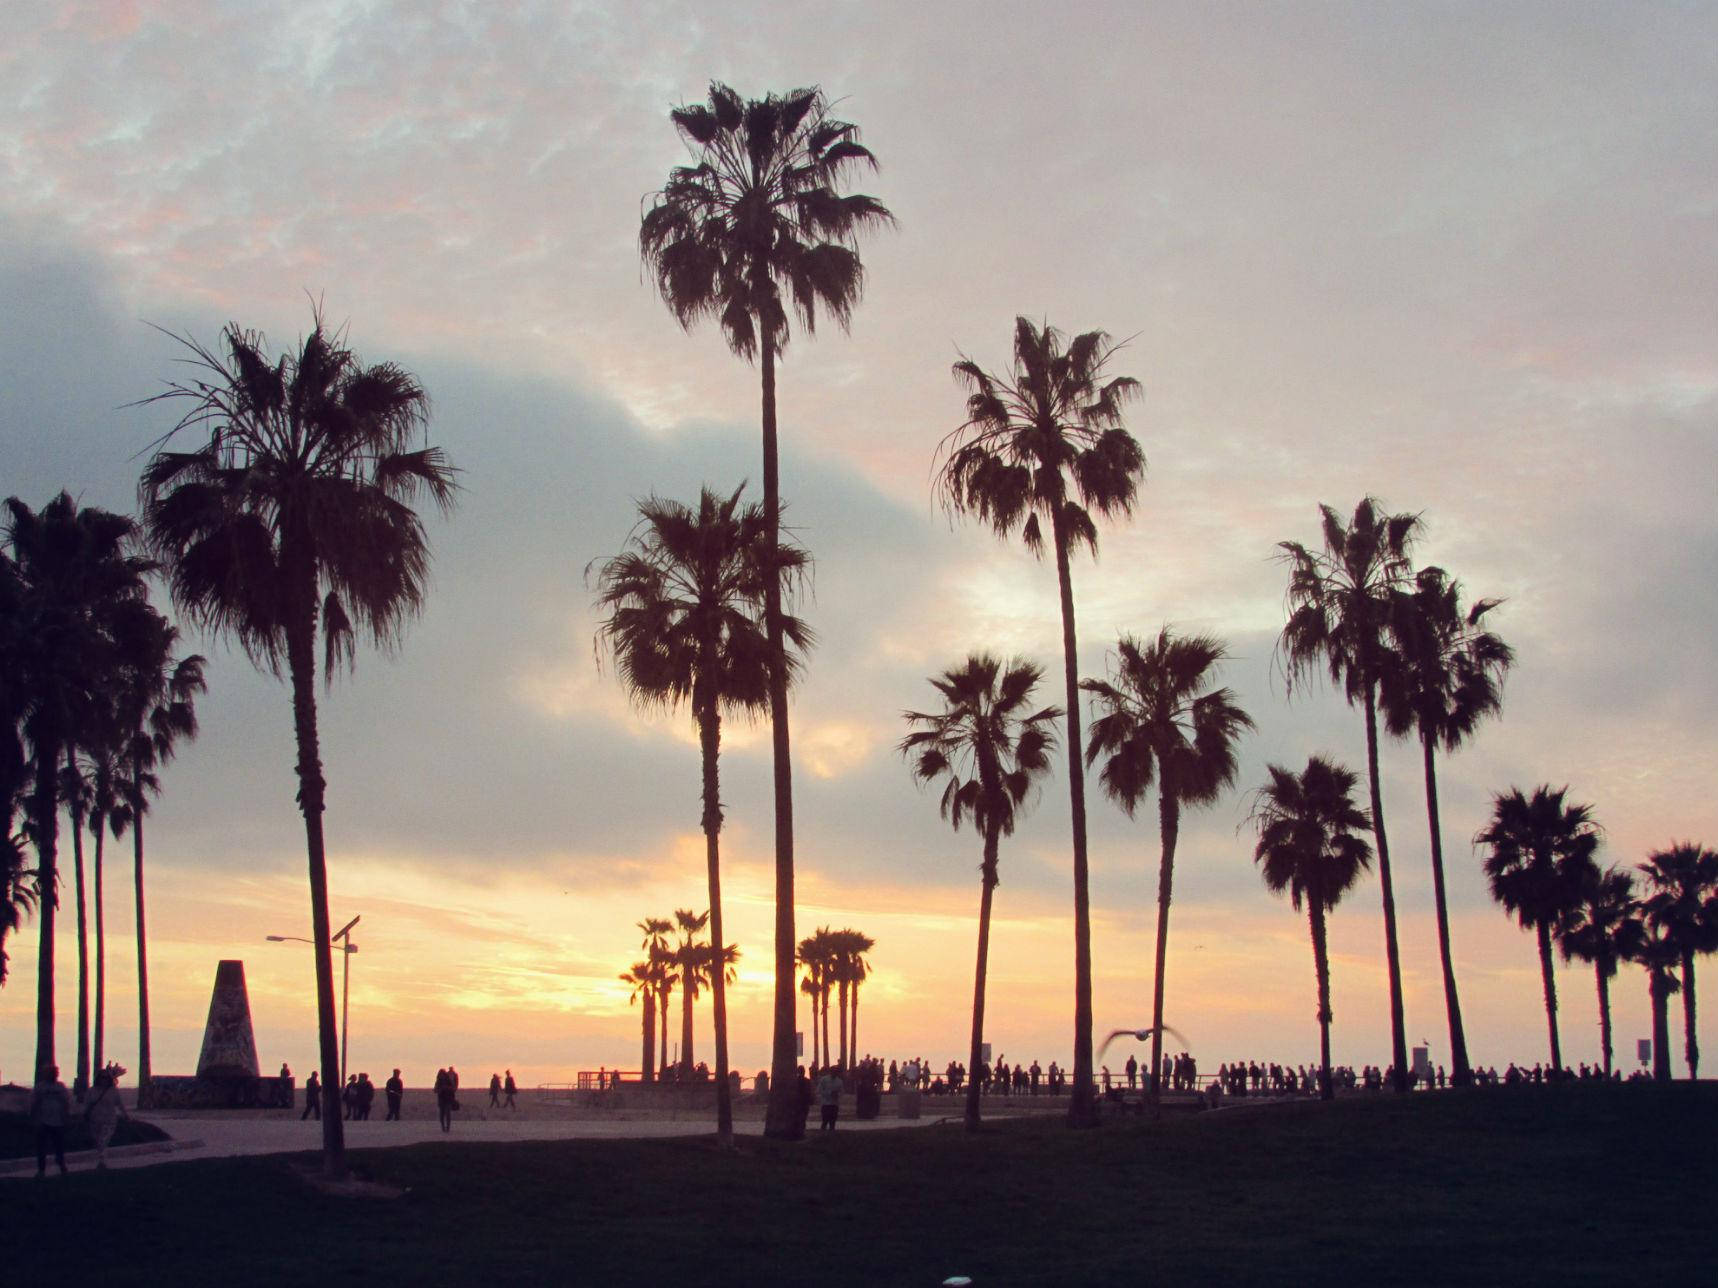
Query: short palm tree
1163	725
756	223
682	619
853	969
75	586
659	963
1541	861
1604	929
815	956
294	519
689	960
641	978
990	747
1443	677
1311	844
1340	600
1660	954
1682	898
1045	444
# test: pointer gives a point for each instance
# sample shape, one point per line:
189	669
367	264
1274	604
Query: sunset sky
1463	257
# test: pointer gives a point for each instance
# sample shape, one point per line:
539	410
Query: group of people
356	1097
498	1088
52	1113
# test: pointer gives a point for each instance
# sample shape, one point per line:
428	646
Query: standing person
50	1110
803	1099
104	1111
366	1096
829	1097
1132	1067
511	1088
444	1101
349	1096
312	1097
495	1091
396	1090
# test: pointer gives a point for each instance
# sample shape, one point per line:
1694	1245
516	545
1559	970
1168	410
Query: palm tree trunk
1392	955
1604	1016
1690	1048
841	1020
137	805
1083	1104
662	1052
80	1076
812	1028
710	739
853	1023
781	1120
45	820
1550	978
1321	967
1660	990
301	663
98	1036
686	1024
1460	1072
1169	828
825	1004
989	888
647	1060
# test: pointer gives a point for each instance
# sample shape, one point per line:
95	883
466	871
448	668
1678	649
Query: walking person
495	1091
445	1104
511	1088
103	1112
312	1098
396	1090
50	1110
829	1097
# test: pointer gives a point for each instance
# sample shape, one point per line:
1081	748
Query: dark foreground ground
1567	1185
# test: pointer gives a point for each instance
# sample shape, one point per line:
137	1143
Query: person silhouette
495	1091
510	1087
396	1090
312	1097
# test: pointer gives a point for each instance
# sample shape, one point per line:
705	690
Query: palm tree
857	970
1310	844
658	983
296	517
643	979
1046	444
1340	601
689	958
990	748
1540	862
1443	677
1684	901
17	880
103	779
847	968
74	791
155	708
821	959
1659	952
75	584
1604	929
682	607
810	955
758	220
1162	724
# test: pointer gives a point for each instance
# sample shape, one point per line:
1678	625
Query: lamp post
347	948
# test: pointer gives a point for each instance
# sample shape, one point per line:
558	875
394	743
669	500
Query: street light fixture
347	948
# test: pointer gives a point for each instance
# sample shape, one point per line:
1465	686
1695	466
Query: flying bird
1142	1034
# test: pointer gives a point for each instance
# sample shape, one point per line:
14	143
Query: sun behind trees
293	519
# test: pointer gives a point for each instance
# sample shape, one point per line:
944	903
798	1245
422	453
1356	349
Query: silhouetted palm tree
689	958
1660	954
1540	862
1604	929
103	780
990	748
296	515
1340	600
1162	724
815	954
1045	443
682	606
155	706
1683	900
75	585
1309	845
643	981
756	222
1443	677
17	879
855	969
659	966
74	791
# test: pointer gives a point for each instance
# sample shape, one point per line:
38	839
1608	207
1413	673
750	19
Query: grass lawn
1578	1184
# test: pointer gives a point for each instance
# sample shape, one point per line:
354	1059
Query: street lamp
347	948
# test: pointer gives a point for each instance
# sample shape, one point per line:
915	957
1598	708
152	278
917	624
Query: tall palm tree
643	980
103	781
682	607
1045	444
1540	862
1310	844
1162	724
155	706
759	220
1604	929
689	958
1443	677
658	966
1340	600
1683	900
75	586
295	518
991	748
857	970
813	957
1660	954
74	791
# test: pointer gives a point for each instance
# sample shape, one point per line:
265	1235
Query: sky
1461	257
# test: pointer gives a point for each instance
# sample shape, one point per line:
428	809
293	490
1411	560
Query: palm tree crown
1310	841
1604	928
1683	905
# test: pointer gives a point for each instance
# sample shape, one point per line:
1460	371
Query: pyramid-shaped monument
229	1043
